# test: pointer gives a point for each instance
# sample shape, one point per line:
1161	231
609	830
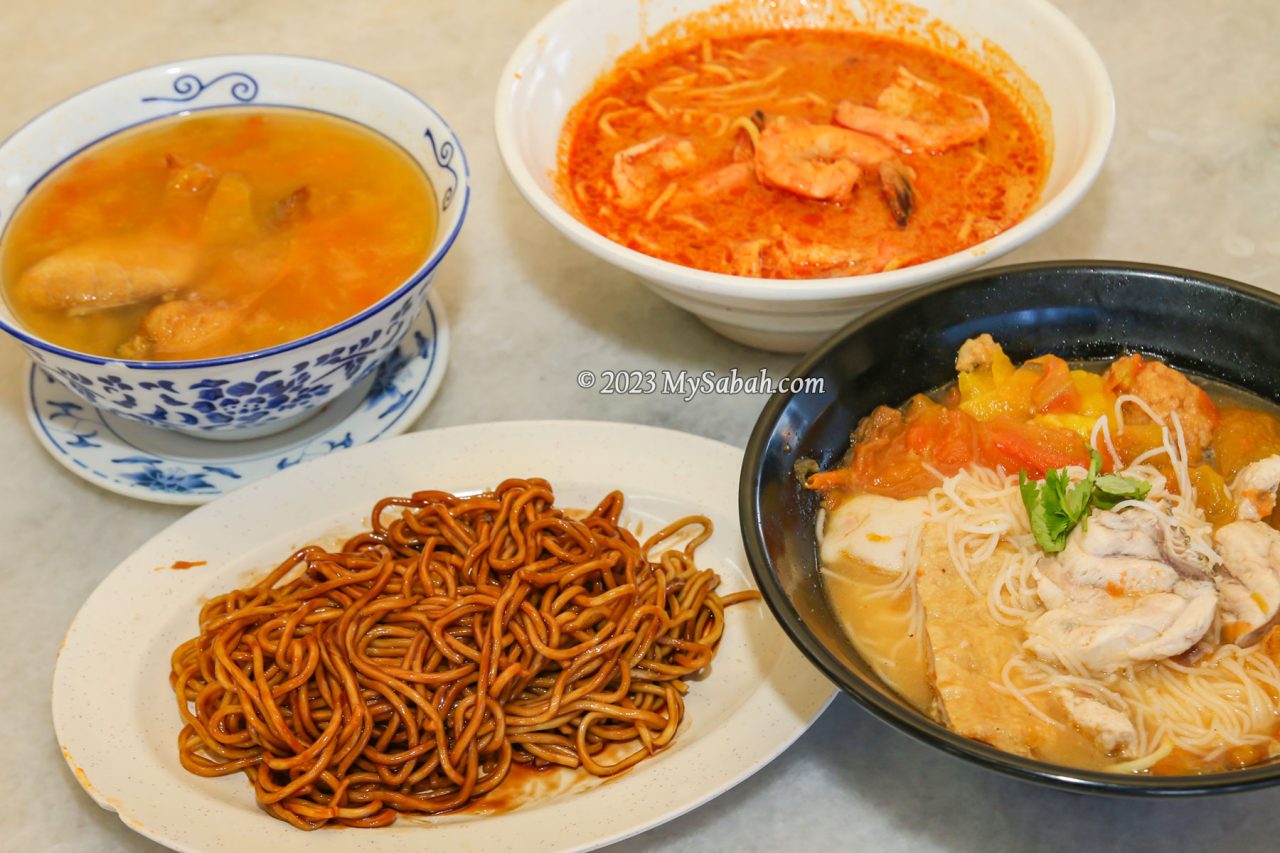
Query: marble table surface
1192	180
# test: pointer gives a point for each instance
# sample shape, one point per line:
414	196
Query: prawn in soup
1080	566
800	154
216	233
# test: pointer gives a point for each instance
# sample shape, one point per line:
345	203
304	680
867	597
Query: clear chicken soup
1080	566
216	233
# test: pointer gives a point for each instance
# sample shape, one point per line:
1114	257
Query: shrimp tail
895	181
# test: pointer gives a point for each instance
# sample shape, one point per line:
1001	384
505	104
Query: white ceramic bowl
562	56
255	393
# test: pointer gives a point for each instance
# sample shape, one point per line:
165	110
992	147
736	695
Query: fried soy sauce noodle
800	154
1080	567
459	637
215	233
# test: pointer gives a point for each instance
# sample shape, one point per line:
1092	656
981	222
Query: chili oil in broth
962	196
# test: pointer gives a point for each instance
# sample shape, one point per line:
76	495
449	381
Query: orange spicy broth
216	233
962	196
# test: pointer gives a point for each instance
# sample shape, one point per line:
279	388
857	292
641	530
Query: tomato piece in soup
1055	392
895	453
1030	447
946	438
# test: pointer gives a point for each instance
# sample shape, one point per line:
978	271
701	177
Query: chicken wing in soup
1078	564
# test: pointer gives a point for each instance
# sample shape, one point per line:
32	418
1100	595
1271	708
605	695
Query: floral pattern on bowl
169	467
237	397
254	394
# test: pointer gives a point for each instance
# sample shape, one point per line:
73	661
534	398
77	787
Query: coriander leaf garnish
1056	505
1052	510
1036	511
1114	488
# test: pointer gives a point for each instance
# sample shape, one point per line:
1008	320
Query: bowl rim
894	712
1102	104
425	270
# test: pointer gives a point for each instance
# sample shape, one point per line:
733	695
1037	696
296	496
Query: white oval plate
165	466
117	722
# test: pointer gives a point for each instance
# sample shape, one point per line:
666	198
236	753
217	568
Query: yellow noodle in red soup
800	154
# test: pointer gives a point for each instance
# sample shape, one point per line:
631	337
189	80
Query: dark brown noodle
494	625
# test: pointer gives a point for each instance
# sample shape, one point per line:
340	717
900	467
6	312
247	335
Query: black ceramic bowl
1196	322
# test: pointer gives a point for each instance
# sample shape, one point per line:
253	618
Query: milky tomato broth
934	638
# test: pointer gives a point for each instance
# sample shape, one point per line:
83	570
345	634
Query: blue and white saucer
171	467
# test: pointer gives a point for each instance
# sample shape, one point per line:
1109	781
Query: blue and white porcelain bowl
260	392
